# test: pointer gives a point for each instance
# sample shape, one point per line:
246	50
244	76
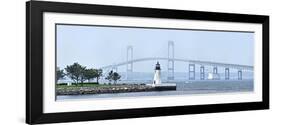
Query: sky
96	46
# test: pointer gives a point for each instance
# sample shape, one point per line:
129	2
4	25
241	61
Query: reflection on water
191	87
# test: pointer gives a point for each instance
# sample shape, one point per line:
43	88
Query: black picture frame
34	61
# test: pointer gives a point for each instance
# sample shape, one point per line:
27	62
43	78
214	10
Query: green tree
115	77
90	74
109	76
76	72
83	76
98	74
59	74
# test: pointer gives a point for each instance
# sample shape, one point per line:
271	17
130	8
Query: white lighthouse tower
157	75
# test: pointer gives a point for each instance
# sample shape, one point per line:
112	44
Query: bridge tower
171	62
129	68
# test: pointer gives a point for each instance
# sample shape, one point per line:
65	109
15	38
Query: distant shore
103	89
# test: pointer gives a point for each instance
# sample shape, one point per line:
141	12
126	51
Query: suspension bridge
171	61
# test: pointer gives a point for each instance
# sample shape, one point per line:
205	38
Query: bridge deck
209	63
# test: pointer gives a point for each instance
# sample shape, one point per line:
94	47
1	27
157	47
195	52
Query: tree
115	77
109	76
76	72
90	74
59	74
83	76
98	74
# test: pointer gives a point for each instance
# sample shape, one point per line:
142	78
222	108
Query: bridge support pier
202	73
239	74
226	73
215	70
191	71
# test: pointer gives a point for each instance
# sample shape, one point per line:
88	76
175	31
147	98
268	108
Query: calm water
191	87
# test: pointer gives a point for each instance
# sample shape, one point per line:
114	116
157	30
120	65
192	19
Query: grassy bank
80	85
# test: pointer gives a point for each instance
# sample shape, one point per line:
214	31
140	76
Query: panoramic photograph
115	61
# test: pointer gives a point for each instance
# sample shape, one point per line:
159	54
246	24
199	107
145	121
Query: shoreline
106	89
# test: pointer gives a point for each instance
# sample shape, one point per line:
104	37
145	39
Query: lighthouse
157	75
157	84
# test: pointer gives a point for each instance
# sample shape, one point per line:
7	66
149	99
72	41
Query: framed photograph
94	62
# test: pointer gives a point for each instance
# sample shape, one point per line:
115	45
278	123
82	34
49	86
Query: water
183	88
144	77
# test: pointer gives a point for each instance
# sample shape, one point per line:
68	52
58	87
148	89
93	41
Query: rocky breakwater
102	89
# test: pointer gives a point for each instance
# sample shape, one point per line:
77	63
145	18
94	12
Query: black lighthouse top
157	67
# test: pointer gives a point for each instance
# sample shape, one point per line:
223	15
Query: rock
120	88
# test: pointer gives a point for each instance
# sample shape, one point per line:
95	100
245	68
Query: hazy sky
95	46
